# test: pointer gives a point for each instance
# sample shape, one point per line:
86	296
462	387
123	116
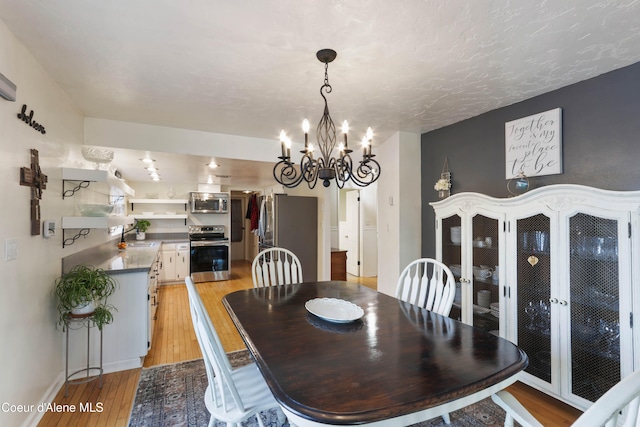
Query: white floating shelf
69	222
160	201
160	216
93	175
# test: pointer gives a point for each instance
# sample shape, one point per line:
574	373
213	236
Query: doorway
244	243
352	235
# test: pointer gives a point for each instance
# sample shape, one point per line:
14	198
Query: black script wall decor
34	178
28	119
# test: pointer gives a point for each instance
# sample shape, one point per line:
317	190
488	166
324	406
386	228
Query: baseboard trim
34	417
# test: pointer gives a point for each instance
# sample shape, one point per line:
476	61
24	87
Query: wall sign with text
533	144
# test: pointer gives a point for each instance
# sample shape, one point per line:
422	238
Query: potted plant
141	228
83	291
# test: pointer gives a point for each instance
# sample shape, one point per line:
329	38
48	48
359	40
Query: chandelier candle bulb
365	144
345	130
287	142
283	136
305	129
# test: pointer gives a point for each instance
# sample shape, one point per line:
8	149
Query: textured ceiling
249	67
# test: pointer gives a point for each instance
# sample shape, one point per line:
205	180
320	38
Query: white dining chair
429	284
276	266
622	400
232	395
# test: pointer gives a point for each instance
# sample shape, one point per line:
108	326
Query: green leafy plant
142	225
85	284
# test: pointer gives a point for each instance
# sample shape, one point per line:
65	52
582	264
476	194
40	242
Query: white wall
113	133
31	357
399	223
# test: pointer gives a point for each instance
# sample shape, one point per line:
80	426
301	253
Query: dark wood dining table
396	365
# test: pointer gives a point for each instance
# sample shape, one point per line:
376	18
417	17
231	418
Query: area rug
173	395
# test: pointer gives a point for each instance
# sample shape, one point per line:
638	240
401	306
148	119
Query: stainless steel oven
209	249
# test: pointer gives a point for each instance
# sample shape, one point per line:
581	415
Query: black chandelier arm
344	169
368	172
310	167
290	176
286	173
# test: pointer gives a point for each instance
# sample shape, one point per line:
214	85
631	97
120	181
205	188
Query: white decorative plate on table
334	310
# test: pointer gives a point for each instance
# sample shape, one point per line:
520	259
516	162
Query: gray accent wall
600	140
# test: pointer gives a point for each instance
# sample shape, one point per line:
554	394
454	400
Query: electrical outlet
10	249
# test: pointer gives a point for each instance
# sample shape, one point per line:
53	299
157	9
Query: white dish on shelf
95	210
334	309
480	310
456	269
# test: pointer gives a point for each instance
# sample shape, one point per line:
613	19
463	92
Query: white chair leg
447	419
508	420
260	423
281	417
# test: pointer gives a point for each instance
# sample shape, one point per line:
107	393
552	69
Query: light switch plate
10	249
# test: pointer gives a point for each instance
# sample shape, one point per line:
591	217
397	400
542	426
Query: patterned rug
173	395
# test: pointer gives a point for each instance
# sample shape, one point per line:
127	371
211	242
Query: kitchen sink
142	244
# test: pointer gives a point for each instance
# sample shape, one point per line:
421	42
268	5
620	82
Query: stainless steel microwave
209	202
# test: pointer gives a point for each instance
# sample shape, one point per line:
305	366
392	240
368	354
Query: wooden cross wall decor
34	178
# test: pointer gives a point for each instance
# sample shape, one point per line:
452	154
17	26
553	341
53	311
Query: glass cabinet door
452	257
594	305
533	284
485	293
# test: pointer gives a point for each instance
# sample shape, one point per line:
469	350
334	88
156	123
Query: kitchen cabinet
566	259
182	261
125	341
175	262
152	297
469	242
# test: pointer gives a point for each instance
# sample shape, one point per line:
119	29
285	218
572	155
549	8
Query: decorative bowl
95	210
97	155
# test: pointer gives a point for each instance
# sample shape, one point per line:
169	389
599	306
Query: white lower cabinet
126	339
557	265
182	261
175	262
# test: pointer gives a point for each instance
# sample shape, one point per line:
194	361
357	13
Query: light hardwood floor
174	341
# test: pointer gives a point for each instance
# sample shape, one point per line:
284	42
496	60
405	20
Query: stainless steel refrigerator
291	222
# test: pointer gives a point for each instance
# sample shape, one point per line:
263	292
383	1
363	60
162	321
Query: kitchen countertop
139	255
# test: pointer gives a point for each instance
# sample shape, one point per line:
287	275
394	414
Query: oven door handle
208	243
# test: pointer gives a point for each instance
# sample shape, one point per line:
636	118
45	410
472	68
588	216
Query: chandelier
326	167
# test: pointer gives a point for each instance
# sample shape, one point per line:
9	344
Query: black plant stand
81	321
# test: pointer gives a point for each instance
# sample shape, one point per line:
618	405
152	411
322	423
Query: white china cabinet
559	263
